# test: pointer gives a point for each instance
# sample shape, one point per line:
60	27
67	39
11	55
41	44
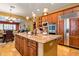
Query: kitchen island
36	45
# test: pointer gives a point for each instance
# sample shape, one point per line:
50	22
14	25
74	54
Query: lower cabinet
61	41
25	46
74	41
32	47
32	51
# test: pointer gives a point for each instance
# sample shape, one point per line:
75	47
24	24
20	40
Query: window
8	26
1	26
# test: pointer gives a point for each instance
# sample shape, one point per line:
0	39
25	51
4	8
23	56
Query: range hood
70	15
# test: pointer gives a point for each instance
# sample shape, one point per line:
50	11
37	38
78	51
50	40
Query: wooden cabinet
75	9
55	18
73	27
68	11
49	18
74	32
25	46
21	40
32	46
74	41
61	28
43	19
17	42
32	51
61	31
77	29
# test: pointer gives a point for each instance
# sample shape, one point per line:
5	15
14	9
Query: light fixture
33	14
38	9
45	11
10	18
27	17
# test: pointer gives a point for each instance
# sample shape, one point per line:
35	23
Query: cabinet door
77	42
61	31
26	50
73	27
55	18
74	41
17	42
71	41
32	47
77	31
49	18
68	11
74	32
75	9
32	51
43	19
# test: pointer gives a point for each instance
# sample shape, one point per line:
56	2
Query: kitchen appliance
52	28
69	26
45	24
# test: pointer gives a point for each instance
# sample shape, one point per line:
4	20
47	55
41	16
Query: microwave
52	28
45	24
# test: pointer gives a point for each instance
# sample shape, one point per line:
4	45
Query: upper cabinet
76	9
68	11
51	18
44	18
55	18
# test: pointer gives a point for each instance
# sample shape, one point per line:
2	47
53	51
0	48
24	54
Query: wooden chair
1	35
8	36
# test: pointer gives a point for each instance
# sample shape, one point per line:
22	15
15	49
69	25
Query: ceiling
26	9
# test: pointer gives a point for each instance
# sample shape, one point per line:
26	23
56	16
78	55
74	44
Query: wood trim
63	9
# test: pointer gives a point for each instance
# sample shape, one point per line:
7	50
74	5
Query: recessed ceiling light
38	9
33	14
45	10
27	17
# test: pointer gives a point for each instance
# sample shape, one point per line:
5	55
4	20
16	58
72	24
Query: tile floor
67	51
10	50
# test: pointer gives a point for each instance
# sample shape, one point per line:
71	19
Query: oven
52	28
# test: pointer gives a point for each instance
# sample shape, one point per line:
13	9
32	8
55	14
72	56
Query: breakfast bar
36	45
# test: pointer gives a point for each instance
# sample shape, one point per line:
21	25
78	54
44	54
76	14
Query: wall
13	15
23	25
30	24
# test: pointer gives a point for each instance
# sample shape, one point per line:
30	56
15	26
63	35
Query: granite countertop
40	37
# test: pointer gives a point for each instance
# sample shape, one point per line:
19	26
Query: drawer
32	43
